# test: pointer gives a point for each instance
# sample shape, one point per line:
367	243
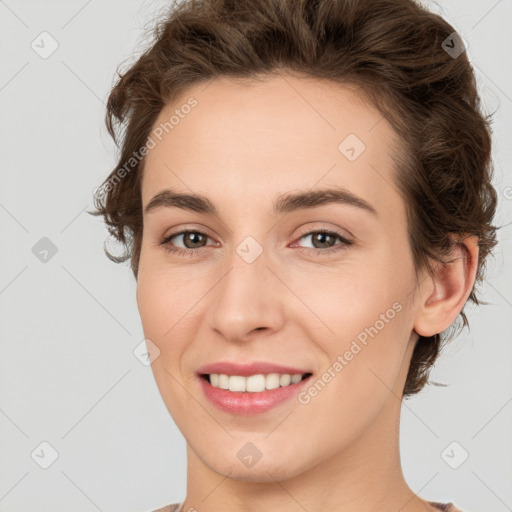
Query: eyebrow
285	203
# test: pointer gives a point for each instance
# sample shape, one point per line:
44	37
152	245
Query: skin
242	146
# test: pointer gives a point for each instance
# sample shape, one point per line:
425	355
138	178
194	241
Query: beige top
446	507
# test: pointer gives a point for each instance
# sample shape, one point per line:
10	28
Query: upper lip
246	369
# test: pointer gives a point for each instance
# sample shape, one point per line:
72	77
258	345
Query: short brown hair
394	51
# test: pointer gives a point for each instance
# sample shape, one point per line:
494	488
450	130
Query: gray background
69	326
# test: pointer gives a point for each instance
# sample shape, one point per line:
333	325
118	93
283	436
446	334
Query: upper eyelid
333	231
308	230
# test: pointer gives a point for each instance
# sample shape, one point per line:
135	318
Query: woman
304	191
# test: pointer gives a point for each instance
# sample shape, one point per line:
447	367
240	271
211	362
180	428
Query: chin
261	474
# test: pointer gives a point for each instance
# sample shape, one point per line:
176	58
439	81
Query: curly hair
395	52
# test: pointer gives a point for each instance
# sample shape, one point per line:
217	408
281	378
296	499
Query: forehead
248	141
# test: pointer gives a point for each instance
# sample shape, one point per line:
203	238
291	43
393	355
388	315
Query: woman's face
255	287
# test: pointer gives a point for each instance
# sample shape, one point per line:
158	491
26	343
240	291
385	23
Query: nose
247	299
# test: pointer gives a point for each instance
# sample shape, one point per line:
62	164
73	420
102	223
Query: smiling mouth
254	383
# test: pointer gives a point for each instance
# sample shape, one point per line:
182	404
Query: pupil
322	235
194	235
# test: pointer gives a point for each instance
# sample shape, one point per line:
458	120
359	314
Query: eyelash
193	252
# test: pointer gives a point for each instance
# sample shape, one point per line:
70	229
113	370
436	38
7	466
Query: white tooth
272	381
285	379
236	383
256	383
223	381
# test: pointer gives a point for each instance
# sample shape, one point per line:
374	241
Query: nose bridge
247	297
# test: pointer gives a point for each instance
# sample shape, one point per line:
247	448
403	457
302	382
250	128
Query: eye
323	241
192	240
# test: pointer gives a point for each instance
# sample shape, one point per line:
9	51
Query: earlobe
446	292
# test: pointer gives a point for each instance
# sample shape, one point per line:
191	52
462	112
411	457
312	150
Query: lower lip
246	403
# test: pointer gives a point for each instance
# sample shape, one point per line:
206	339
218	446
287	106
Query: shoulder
445	507
168	508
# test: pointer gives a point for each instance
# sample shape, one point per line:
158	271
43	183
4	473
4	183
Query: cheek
348	299
159	310
163	303
367	320
164	295
153	299
169	303
364	371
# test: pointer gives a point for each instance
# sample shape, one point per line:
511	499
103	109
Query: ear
443	295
